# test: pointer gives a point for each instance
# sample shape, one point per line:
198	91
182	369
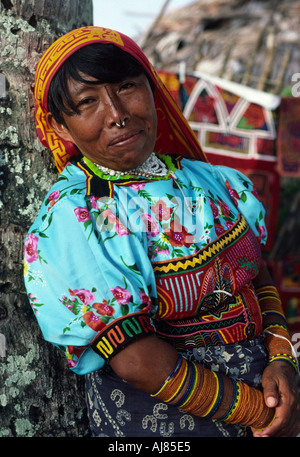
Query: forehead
76	88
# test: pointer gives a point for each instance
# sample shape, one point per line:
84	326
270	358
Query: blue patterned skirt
116	409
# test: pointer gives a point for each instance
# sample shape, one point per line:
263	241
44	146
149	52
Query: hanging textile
236	126
288	142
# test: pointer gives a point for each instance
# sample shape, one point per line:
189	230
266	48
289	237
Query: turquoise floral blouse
109	260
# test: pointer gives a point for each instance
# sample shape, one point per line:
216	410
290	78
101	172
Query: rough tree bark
39	396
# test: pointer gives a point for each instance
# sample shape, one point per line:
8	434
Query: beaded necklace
154	167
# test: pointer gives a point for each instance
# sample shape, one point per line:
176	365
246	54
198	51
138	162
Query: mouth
126	138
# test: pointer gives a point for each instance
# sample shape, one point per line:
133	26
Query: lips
125	137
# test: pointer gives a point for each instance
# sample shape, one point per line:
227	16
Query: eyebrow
81	87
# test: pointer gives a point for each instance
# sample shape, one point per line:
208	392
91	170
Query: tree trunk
39	395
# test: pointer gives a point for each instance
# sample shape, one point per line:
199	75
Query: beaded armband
115	336
248	408
277	337
199	391
186	389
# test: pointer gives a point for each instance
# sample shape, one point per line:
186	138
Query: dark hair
105	62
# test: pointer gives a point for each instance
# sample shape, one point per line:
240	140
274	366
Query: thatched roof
252	42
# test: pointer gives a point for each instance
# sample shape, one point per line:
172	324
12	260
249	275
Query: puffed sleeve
89	282
245	198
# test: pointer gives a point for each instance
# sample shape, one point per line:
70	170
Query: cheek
150	114
87	132
153	121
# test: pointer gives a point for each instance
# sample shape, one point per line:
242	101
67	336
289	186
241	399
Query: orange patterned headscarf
174	134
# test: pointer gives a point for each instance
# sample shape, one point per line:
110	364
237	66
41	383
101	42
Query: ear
59	129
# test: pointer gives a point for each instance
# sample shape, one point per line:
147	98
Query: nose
117	113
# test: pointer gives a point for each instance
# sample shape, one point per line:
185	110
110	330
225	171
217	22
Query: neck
153	166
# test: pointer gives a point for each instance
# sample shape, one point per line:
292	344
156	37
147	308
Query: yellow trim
89	177
206	254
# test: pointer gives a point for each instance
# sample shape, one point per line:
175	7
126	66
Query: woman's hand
280	391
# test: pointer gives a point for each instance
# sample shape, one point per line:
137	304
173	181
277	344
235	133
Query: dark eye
126	85
85	102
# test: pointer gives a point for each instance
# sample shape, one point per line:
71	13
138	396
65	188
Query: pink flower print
84	295
163	251
121	229
161	211
121	295
93	321
107	213
53	198
150	224
224	208
233	193
261	232
229	224
30	252
69	305
179	235
71	363
54	195
138	186
214	209
104	309
82	214
33	300
93	202
145	299
219	229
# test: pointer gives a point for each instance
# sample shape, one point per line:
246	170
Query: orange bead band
250	408
171	385
277	337
270	305
199	391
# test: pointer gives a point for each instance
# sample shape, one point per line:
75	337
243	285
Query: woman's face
93	130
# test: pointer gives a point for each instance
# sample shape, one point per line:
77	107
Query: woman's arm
279	381
149	364
145	363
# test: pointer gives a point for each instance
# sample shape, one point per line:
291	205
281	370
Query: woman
145	268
